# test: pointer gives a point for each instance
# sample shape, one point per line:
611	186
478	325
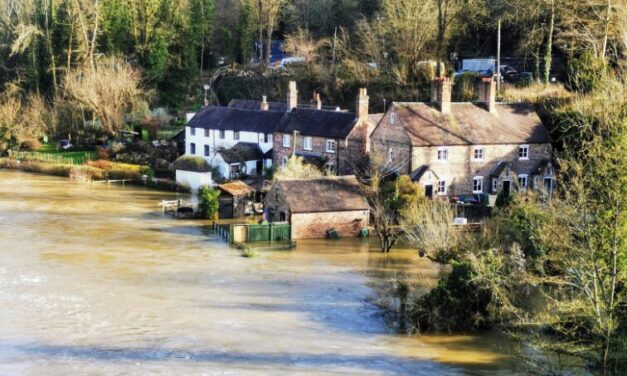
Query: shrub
101	164
209	202
103	153
31	144
191	163
85	173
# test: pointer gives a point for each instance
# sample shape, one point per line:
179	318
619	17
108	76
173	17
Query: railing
41	157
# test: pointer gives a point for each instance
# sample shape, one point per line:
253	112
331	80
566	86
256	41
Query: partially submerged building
455	148
314	207
236	200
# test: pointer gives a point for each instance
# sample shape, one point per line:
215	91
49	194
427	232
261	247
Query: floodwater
94	280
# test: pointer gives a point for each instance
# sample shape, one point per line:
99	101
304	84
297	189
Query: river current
95	280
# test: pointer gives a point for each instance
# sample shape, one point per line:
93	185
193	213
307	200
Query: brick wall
316	225
390	136
318	149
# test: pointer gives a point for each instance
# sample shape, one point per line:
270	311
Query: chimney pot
265	106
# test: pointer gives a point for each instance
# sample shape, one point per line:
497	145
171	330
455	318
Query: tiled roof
317	123
228	118
246	104
470	123
242	152
327	194
236	188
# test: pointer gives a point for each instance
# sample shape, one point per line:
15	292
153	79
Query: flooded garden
94	279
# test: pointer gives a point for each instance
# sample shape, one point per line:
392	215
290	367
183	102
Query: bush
103	153
209	202
587	73
191	163
31	144
101	164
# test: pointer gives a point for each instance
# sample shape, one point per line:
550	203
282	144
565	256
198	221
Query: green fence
269	232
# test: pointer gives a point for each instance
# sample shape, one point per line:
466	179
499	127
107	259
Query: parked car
64	145
508	73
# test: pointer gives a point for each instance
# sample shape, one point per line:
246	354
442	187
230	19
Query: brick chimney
487	93
265	106
318	101
441	89
361	105
292	96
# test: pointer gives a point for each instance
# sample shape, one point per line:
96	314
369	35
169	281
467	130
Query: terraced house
456	148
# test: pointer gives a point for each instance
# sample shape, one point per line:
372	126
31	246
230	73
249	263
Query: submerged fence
243	235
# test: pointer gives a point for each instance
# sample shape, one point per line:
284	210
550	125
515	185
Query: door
429	190
507	186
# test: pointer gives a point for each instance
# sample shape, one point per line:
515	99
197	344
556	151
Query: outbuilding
316	206
236	199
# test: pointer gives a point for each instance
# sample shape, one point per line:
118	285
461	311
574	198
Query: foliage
209	202
587	73
297	168
191	163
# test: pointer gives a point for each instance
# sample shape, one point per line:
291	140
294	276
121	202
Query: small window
283	161
192	131
207	150
442	154
495	185
192	148
478	154
523	181
266	137
442	187
477	184
206	132
307	143
331	146
222	134
523	152
287	140
236	135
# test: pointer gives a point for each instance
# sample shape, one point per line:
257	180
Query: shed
236	199
315	206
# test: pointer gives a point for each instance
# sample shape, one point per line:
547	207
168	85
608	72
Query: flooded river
94	280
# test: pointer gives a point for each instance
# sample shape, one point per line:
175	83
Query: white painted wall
212	138
194	179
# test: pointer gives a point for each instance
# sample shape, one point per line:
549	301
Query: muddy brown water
94	280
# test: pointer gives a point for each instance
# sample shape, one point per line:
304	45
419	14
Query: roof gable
469	124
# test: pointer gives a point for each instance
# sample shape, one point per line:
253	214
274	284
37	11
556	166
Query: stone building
315	206
465	148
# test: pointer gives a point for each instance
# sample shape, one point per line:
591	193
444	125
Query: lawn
77	156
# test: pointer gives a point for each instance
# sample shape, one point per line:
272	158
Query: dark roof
317	123
236	188
418	173
228	118
242	152
471	124
326	194
269	154
246	104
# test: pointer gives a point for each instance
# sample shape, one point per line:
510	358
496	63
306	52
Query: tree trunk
48	12
607	29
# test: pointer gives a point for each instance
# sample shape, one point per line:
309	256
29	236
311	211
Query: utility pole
498	57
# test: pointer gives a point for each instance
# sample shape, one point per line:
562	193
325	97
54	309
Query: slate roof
236	188
317	123
246	104
418	173
471	124
326	194
242	152
228	118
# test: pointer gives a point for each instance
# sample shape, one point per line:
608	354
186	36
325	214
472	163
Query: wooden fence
42	157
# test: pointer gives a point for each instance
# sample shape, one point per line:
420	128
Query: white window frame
207	134
222	134
332	149
441	184
192	148
495	185
525	178
307	143
287	140
481	149
474	181
523	147
444	154
192	131
207	150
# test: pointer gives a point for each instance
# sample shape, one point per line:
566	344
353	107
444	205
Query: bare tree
302	44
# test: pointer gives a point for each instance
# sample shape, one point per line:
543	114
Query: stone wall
391	145
316	225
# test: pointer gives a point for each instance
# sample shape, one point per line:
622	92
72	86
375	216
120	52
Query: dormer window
477	154
523	152
442	154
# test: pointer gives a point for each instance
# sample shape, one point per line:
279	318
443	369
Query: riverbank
96	280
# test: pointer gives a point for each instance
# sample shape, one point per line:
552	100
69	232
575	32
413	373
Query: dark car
508	73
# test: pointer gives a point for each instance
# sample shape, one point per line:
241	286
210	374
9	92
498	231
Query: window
266	137
522	181
477	184
192	131
331	146
236	135
442	187
442	154
206	150
192	148
478	154
287	140
222	134
390	155
495	185
523	152
283	161
307	144
207	132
